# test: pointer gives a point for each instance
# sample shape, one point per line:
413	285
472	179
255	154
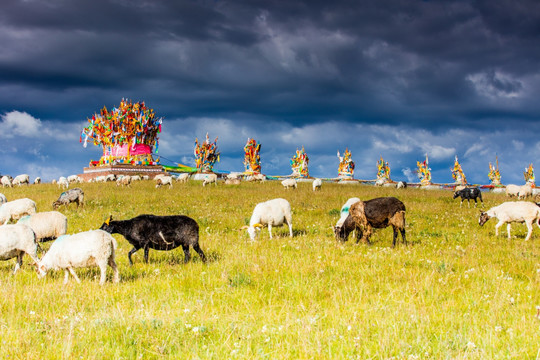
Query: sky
397	79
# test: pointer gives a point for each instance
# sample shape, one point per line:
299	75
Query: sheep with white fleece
512	190
273	212
62	182
317	184
6	181
89	248
513	211
183	177
15	241
164	180
47	225
21	179
525	191
209	179
14	210
289	183
3	199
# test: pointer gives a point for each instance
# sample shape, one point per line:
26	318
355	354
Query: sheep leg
499	224
403	237
18	264
197	248
132	251
529	230
290	228
102	273
395	236
66	275
508	226
74	275
187	256
112	264
146	251
270	229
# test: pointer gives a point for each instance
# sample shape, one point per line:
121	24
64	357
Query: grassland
455	292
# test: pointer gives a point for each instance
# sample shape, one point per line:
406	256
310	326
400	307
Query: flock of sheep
97	247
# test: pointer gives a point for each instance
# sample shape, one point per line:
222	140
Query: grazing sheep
513	211
470	193
183	177
75	195
289	183
232	181
21	179
345	210
498	190
37	180
3	199
89	248
164	180
273	212
110	177
158	233
101	178
74	179
256	177
6	181
525	191
209	179
377	213
62	182
15	241
401	185
125	180
14	210
47	225
234	175
146	177
136	178
317	183
512	190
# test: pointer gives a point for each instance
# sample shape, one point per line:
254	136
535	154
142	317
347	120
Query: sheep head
253	230
484	217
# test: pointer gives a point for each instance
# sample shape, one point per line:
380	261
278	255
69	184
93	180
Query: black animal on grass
377	213
471	193
158	233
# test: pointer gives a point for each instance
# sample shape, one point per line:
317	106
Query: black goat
471	193
377	213
158	233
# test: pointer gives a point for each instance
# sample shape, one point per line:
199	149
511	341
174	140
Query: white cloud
16	123
495	84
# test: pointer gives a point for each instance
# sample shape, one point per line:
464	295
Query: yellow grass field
455	292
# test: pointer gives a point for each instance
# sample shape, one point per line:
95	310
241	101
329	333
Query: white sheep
37	180
513	211
317	184
289	183
525	191
136	178
74	179
21	179
15	241
345	210
110	177
234	175
164	180
47	225
209	178
3	199
62	182
512	190
273	212
125	180
89	248
14	210
233	181
6	181
183	177
256	177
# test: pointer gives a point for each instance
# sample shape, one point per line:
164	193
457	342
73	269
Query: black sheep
377	213
158	233
472	193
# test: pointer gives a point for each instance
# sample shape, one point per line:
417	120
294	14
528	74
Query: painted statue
299	164
346	165
424	172
457	173
529	175
494	174
383	171
206	155
252	158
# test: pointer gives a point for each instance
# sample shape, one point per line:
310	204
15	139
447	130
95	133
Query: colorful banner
252	158
424	172
383	171
346	165
206	154
494	174
457	173
529	175
299	164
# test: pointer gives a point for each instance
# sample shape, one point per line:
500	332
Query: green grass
455	292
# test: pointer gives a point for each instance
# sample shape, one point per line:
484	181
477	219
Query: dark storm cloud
432	68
